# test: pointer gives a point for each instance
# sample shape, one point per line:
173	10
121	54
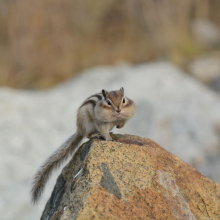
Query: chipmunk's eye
123	100
109	102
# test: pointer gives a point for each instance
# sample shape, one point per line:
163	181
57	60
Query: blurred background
45	42
54	54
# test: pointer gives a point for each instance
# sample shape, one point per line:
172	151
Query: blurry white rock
215	84
206	67
206	32
173	109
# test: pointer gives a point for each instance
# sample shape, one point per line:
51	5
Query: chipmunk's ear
122	90
104	93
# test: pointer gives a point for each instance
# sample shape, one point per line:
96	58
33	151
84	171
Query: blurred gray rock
206	32
206	67
174	110
215	84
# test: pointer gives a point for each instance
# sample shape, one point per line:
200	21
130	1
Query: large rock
173	109
133	178
206	68
206	33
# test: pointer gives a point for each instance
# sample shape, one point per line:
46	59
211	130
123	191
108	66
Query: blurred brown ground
46	41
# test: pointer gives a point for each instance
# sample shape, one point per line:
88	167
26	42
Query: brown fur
115	97
103	105
129	103
94	117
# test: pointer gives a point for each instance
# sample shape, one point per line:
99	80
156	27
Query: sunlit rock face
131	178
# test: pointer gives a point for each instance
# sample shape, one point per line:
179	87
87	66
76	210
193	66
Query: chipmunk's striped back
93	100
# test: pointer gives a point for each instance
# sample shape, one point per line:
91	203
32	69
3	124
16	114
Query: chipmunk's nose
119	110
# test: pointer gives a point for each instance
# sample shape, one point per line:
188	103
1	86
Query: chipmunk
96	117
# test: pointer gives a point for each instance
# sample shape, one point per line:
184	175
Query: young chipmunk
96	117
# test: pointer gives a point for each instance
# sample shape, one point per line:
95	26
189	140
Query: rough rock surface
132	178
173	109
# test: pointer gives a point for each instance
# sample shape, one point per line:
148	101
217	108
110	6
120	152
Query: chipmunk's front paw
121	125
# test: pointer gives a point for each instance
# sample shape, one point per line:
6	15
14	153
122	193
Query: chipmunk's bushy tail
53	162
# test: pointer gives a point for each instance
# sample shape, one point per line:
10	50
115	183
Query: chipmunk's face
115	101
114	107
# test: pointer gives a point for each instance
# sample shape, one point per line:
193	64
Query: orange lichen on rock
132	178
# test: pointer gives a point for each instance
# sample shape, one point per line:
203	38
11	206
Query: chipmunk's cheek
121	113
